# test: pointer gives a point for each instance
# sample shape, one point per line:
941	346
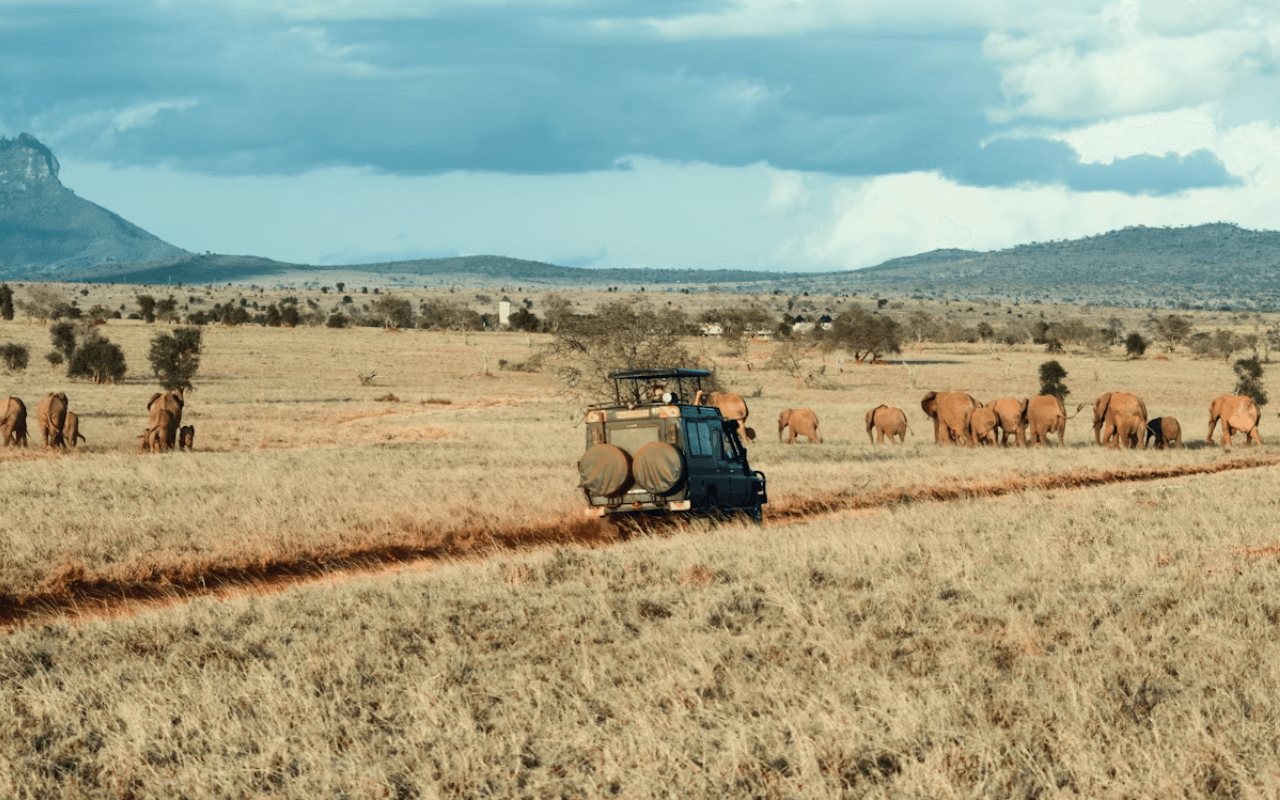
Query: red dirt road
74	595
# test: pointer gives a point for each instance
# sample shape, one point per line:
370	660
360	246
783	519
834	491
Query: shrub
1249	372
147	305
6	301
336	320
175	357
16	357
522	319
1134	345
54	358
99	360
1051	375
64	339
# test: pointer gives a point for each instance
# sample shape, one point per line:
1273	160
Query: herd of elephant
1119	419
60	427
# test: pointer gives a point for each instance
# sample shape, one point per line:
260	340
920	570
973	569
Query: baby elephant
1166	430
802	422
187	437
985	426
887	421
71	429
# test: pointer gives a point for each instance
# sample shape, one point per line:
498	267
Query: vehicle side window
732	449
704	439
692	445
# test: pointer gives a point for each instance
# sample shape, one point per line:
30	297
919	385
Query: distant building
504	312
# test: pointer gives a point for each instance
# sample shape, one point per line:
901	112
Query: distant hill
47	233
45	228
461	270
1200	265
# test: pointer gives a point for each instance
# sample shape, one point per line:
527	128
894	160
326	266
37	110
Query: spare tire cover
657	467
604	469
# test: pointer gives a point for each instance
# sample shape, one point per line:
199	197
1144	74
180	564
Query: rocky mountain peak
26	163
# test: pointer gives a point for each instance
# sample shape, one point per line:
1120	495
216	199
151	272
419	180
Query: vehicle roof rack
635	393
649	374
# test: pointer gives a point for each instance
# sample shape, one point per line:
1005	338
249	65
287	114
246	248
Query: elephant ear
929	403
1022	407
1100	406
154	397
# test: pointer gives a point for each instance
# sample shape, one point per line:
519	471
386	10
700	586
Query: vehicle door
738	479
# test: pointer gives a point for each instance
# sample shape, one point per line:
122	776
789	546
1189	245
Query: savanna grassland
910	621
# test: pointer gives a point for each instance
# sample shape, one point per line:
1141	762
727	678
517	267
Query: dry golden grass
1018	637
1103	643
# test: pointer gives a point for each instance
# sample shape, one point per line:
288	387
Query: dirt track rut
77	596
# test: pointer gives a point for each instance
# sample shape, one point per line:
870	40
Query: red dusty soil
70	593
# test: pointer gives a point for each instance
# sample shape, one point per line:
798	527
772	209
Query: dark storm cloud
1009	162
523	90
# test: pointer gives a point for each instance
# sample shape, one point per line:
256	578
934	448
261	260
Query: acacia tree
627	334
865	335
6	301
1171	329
175	357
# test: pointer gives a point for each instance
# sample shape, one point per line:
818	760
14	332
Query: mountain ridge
45	228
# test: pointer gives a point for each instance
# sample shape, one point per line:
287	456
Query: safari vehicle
651	451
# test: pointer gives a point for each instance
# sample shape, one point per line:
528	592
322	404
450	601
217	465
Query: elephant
1239	414
887	421
732	407
71	429
1046	414
1013	419
984	424
160	432
1121	419
150	440
171	402
950	412
13	422
802	422
1166	430
187	437
51	415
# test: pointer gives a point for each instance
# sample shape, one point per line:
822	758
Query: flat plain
389	590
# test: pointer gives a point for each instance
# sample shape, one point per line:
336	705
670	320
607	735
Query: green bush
1051	375
1249	372
175	358
336	320
99	360
1135	345
16	357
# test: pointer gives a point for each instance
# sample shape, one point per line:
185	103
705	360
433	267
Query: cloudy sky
762	134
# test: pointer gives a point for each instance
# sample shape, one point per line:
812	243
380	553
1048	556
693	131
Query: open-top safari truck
652	451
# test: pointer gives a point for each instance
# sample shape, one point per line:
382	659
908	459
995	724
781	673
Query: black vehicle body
652	451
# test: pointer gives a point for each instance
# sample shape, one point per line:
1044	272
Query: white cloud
1131	75
1182	132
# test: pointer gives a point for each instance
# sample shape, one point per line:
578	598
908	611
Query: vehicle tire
658	467
605	469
